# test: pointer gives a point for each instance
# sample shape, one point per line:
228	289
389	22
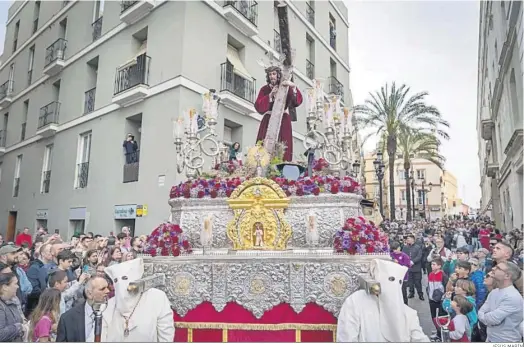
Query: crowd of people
44	278
474	279
474	276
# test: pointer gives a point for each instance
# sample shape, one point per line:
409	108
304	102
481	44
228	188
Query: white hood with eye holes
392	310
122	275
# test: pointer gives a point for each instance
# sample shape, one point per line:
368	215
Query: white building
500	111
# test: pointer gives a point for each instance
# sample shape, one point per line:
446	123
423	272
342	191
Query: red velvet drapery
236	324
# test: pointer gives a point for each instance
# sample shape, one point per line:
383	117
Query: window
332	32
36	14
82	161
421	174
310	51
15	40
16	183
46	170
24	120
228	135
403	194
401	174
98	10
31	64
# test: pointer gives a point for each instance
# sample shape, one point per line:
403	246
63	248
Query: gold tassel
189	335
335	335
224	335
248	326
298	335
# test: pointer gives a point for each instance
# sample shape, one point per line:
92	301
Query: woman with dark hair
235	149
44	319
90	261
11	317
114	256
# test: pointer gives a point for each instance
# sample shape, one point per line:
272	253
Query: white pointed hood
122	275
393	315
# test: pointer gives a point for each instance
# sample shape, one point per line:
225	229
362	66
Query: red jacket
21	238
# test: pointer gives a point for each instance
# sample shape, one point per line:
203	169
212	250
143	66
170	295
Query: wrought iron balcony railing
97	28
35	25
310	14
133	75
276	41
131	167
6	89
22	132
310	69
49	114
16	187
83	175
89	102
125	5
55	51
248	8
335	87
46	181
236	84
3	135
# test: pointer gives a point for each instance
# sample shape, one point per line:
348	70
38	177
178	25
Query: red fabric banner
236	324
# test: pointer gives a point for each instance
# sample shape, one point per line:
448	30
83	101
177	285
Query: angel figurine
259	235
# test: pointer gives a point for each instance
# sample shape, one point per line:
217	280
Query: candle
311	100
193	126
178	125
347	119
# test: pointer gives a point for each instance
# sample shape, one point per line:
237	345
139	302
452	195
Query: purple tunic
403	259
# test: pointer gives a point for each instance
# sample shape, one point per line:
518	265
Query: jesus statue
264	106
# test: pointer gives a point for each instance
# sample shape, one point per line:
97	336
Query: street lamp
379	170
424	191
356	168
412	179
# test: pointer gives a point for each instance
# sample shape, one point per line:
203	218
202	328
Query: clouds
430	46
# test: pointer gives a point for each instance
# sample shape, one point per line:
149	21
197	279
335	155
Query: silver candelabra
334	143
190	153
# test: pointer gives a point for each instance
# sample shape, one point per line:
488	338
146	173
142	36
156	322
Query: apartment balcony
3	135
82	175
6	93
487	127
132	81
132	11
55	57
46	181
310	69
310	14
335	87
131	167
48	119
243	15
16	187
276	42
236	91
492	169
97	28
89	101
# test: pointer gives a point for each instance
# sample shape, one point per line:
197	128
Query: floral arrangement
223	187
359	236
167	239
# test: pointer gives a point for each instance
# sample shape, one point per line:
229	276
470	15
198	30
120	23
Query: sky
430	46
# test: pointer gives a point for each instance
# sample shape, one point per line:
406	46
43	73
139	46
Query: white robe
152	320
359	317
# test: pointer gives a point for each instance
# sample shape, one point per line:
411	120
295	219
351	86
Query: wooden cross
279	104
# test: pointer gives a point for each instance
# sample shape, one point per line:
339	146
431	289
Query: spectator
465	288
45	317
415	271
90	262
437	280
9	256
37	274
70	292
65	261
114	256
461	255
12	327
477	277
439	250
462	271
24	237
502	311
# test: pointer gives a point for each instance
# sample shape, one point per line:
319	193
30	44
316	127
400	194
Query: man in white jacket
439	250
366	317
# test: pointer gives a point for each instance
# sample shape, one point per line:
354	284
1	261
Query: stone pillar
495	203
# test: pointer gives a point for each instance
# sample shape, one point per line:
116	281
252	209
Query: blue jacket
472	316
25	285
477	277
37	275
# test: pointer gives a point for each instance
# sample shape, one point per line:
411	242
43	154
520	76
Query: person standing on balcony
264	106
131	149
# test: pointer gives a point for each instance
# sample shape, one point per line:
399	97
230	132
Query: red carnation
187	194
228	192
161	243
185	243
316	191
164	252
300	192
370	249
288	193
152	252
200	194
177	228
175	239
172	193
175	250
334	189
213	193
352	250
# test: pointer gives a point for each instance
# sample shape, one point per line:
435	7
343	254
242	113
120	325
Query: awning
234	59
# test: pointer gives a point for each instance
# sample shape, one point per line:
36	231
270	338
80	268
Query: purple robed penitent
403	259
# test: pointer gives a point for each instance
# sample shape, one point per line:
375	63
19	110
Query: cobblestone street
422	308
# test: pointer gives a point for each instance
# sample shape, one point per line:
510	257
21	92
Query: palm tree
390	111
422	144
